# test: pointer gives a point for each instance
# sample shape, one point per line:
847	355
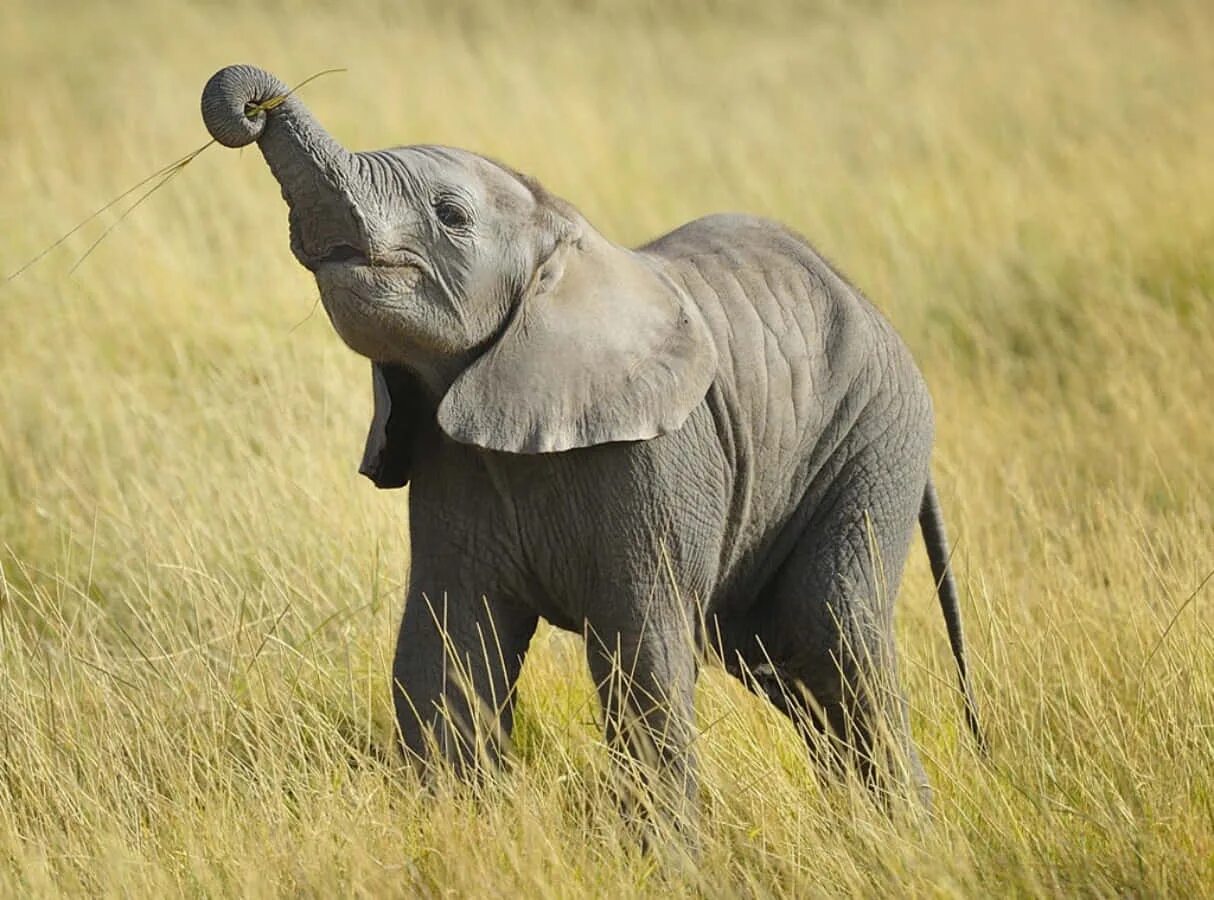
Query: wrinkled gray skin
712	443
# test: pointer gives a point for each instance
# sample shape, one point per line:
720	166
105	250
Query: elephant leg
646	682
454	675
790	696
825	627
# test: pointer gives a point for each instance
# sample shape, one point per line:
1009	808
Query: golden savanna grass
199	595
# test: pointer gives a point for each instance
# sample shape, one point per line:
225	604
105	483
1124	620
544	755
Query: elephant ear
399	416
603	347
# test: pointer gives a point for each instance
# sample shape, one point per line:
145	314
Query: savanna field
199	595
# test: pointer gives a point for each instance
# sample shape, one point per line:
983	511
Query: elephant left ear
603	347
398	416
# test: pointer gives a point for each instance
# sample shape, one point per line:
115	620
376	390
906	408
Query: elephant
712	447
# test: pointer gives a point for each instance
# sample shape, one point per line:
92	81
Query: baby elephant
710	445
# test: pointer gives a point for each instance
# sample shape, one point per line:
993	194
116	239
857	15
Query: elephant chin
369	325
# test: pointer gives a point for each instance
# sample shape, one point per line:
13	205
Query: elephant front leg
454	675
646	682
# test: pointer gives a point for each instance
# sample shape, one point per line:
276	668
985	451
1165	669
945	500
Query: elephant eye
452	214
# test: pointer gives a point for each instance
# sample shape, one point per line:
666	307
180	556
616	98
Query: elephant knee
447	730
413	730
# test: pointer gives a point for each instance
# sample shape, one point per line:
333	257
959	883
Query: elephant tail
931	520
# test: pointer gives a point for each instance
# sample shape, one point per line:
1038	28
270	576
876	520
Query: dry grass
199	595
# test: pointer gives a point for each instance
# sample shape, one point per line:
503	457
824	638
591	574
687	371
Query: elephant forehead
437	166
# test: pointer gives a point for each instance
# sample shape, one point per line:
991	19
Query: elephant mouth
347	272
348	255
344	253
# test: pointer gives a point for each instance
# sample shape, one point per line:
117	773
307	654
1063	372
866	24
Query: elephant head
483	301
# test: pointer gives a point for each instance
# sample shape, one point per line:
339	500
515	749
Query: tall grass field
199	595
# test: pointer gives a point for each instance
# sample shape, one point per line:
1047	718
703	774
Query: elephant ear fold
399	415
602	347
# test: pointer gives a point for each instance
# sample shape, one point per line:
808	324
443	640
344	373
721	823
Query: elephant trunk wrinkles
317	175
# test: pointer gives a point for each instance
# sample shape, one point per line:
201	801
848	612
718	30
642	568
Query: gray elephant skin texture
709	446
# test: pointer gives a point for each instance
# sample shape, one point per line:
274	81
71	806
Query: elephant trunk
319	177
229	101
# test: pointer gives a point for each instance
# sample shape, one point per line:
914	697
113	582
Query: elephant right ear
400	414
603	347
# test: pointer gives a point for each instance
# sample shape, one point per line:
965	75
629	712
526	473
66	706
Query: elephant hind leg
826	627
790	696
837	726
849	708
867	727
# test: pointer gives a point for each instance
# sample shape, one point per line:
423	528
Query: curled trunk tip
229	103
